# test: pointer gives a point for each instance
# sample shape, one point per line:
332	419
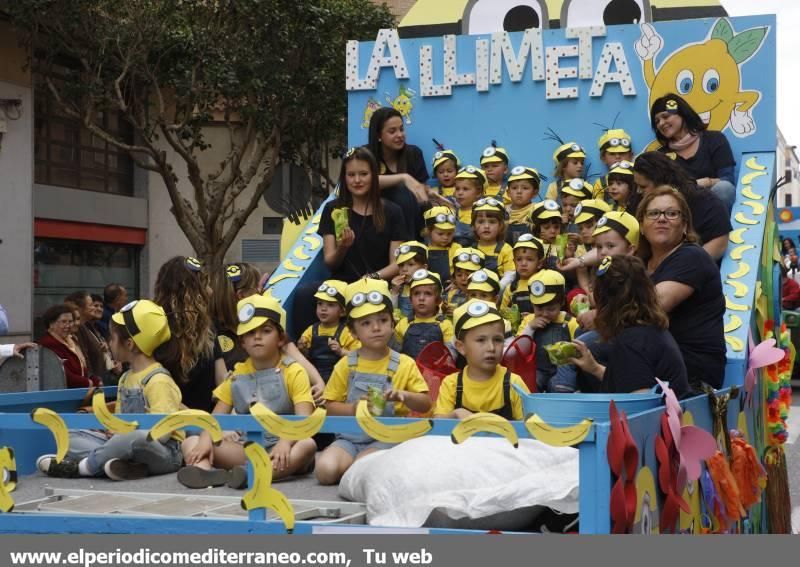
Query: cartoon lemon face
706	76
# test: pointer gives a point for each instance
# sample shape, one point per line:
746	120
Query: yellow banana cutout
186	418
748	178
110	421
9	464
742	271
280	278
741	218
739	251
557	436
736	344
484	423
52	421
733	323
758	208
736	235
313	243
731	306
389	433
262	495
300	254
291	266
754	165
748	192
285	428
739	289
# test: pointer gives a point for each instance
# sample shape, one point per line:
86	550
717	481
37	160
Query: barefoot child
329	339
267	377
483	385
369	312
139	336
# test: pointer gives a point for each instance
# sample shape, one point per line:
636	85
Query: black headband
130	323
463	321
273	316
564	153
616	225
593	210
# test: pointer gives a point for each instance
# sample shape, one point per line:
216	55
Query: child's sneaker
118	469
67	468
196	477
237	478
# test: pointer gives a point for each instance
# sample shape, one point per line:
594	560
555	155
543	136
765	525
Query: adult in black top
403	173
704	154
687	283
710	219
629	318
201	381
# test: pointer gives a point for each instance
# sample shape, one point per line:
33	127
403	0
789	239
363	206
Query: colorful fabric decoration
623	458
728	491
750	476
779	387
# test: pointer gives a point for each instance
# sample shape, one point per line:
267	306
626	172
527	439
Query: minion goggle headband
477	309
576	185
331	292
441	218
529	241
489	205
468	257
573	149
408	248
482	276
622	168
521	172
588	209
540	289
440	157
423	274
493	151
248	312
613	224
471	172
129	320
616	143
373	297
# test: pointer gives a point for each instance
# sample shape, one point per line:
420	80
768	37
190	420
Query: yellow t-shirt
295	378
505	258
446	191
599	189
161	393
572	324
465	215
406	378
346	339
520	216
480	395
522	286
492	190
552	191
448	333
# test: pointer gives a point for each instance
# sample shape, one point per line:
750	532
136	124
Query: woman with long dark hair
401	166
704	154
630	319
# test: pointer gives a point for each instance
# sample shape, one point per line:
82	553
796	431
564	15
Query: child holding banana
140	336
280	384
391	379
483	385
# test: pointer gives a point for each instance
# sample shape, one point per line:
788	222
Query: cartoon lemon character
402	102
706	74
691	523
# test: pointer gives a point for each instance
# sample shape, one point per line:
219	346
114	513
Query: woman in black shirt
629	318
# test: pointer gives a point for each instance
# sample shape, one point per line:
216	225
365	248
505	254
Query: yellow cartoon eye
685	81
488	16
711	81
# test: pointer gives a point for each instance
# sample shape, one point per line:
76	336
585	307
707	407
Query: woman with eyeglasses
59	322
687	281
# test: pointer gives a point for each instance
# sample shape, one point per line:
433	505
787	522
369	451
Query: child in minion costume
624	225
549	324
620	186
565	158
465	262
464	235
499	254
425	325
440	226
374	365
573	192
136	332
267	377
519	213
615	145
409	256
485	285
445	160
518	292
548	223
484	385
494	161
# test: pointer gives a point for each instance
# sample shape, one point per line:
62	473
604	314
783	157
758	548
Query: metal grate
262	250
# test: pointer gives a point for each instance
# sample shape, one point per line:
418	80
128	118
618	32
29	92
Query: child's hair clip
193	264
604	266
349	153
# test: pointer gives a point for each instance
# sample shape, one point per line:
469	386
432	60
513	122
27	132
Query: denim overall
503	411
521	298
464	234
514	231
549	377
133	400
439	262
265	386
404	303
491	260
420	335
458	299
320	354
358	384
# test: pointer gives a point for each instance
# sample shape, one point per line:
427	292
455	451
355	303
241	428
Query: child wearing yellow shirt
374	365
466	261
329	339
278	383
409	256
483	385
470	184
523	187
489	221
140	336
440	228
445	166
615	146
425	326
494	162
528	258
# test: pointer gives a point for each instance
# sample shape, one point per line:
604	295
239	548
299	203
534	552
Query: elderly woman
710	219
629	318
704	154
59	322
687	283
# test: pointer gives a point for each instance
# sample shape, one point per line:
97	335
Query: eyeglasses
655	214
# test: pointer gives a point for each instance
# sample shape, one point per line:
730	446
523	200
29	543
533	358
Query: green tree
271	71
